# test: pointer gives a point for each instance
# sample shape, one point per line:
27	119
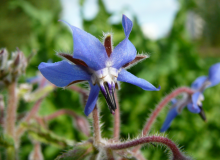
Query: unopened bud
19	62
3	58
16	65
82	125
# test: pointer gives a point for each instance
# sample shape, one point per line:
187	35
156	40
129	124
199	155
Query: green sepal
80	151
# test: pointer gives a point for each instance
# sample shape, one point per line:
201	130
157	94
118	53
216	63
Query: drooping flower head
99	64
194	101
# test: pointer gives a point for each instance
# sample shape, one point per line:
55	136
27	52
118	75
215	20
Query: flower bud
3	58
19	62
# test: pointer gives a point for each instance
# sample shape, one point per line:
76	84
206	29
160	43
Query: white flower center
108	74
200	99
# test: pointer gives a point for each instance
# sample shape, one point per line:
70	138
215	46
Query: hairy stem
160	106
20	130
96	126
177	155
11	110
117	119
2	109
59	113
34	110
36	154
10	118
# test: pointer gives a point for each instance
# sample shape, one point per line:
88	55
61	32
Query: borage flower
98	64
194	101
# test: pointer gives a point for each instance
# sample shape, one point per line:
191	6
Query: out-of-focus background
182	38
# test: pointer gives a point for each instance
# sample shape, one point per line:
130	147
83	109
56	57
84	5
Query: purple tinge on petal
88	48
198	82
214	74
33	80
173	101
63	73
126	76
127	25
93	96
125	51
193	107
170	116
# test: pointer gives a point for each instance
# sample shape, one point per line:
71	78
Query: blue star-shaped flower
98	64
194	101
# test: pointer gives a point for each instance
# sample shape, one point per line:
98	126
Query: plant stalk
160	106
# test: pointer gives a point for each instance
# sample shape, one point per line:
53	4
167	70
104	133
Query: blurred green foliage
174	61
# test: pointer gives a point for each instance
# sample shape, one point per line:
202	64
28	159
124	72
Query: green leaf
45	136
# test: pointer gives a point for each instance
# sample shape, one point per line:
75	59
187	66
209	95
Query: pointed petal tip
92	99
127	77
127	25
65	23
158	88
214	74
86	113
155	89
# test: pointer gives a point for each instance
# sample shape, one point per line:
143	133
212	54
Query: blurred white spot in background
154	17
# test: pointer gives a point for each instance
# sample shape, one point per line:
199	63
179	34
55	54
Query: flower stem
11	110
117	119
96	126
177	155
10	118
36	154
59	113
2	108
160	106
31	114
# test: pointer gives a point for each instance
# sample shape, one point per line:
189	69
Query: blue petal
214	74
127	25
193	107
173	101
63	73
125	51
198	82
126	76
170	116
93	96
32	80
88	48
